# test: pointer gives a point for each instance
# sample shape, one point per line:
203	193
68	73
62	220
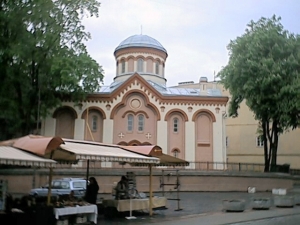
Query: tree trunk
274	146
267	162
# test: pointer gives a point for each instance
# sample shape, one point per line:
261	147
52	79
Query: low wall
20	181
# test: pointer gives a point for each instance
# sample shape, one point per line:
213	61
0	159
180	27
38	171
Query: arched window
94	123
140	65
176	153
141	122
130	122
157	67
123	66
175	125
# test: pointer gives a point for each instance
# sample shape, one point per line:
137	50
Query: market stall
165	160
70	150
32	147
11	156
9	212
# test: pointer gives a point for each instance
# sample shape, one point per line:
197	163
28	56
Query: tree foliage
42	58
263	69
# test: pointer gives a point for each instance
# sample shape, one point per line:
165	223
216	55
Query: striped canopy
13	156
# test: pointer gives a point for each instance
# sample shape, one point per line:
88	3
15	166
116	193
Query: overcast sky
195	33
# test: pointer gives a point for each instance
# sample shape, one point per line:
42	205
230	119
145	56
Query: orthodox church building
139	109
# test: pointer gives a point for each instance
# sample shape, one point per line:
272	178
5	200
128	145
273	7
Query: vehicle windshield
45	186
79	184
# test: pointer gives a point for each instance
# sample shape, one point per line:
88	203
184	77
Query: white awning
13	156
99	152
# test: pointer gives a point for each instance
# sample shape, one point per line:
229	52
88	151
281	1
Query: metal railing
249	167
222	166
194	166
295	171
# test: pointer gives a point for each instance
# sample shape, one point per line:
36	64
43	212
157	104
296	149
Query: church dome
140	40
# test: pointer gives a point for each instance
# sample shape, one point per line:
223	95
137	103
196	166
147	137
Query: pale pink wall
204	138
135	104
149	68
131	65
65	123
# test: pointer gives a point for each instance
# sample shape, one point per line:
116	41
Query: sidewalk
205	208
223	218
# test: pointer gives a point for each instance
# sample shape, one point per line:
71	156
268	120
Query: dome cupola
141	54
140	40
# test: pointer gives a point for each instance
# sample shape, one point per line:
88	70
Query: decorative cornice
135	58
141	50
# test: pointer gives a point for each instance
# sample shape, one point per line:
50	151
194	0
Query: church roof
140	40
166	91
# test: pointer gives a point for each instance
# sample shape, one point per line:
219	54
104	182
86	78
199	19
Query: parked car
62	187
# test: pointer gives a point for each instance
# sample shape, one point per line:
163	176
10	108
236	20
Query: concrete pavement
224	218
205	208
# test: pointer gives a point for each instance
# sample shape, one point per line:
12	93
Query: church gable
136	80
135	100
142	85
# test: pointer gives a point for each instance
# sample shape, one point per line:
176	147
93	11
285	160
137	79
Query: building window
123	66
141	122
175	125
259	141
130	122
94	123
226	140
157	67
175	153
140	65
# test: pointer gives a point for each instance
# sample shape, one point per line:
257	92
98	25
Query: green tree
263	69
43	59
